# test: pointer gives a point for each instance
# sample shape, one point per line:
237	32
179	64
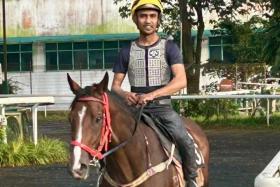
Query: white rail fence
267	97
62	102
31	101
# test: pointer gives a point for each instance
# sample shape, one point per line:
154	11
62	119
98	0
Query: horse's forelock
86	91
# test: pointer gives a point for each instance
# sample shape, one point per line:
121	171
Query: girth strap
146	175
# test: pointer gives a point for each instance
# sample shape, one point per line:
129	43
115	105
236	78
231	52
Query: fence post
267	112
3	125
45	111
35	123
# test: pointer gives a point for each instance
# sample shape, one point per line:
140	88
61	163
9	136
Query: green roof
87	37
206	33
71	38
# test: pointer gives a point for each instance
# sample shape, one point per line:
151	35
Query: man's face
147	21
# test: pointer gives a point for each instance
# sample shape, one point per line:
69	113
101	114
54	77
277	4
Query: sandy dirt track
237	156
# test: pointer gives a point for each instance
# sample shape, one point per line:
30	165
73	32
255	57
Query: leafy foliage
13	87
207	108
272	39
20	153
272	45
237	71
246	39
2	134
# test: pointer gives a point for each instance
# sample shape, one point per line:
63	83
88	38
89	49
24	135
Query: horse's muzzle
81	173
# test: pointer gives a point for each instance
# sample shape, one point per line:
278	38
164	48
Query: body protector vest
148	68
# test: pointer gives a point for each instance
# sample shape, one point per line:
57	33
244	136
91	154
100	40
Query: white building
47	39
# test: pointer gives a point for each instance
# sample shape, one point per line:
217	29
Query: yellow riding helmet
146	4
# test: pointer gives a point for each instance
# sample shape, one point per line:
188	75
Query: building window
96	55
51	56
220	49
83	55
19	57
80	55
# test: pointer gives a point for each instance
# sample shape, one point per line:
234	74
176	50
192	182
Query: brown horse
104	128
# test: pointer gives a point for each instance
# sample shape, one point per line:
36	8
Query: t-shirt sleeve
121	63
173	53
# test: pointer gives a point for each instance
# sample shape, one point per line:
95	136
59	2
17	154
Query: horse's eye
98	119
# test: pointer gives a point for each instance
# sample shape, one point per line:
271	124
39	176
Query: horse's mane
130	110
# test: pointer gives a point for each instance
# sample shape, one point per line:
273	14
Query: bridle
106	131
106	134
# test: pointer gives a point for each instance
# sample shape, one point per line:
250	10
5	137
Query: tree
246	39
272	39
191	18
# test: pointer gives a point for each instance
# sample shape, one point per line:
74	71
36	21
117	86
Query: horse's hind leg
205	176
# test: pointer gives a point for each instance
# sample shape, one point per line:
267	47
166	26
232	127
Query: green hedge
207	108
24	153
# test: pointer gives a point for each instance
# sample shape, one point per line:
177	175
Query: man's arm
130	97
178	82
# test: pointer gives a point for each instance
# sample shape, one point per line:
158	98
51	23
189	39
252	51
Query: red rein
106	131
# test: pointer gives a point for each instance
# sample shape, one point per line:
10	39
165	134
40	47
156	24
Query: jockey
155	71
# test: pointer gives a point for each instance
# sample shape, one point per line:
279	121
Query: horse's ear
73	85
103	85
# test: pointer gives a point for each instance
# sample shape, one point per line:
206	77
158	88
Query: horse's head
90	130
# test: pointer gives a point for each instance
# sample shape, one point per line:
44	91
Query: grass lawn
241	121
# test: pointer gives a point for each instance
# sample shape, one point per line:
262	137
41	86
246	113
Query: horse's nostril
81	173
84	166
76	174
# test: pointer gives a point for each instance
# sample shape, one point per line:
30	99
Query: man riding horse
156	71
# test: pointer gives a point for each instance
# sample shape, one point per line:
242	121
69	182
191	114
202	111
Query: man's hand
131	98
145	98
138	99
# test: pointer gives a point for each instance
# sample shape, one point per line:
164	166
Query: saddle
166	139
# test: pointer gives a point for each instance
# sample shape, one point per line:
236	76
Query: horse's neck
128	161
